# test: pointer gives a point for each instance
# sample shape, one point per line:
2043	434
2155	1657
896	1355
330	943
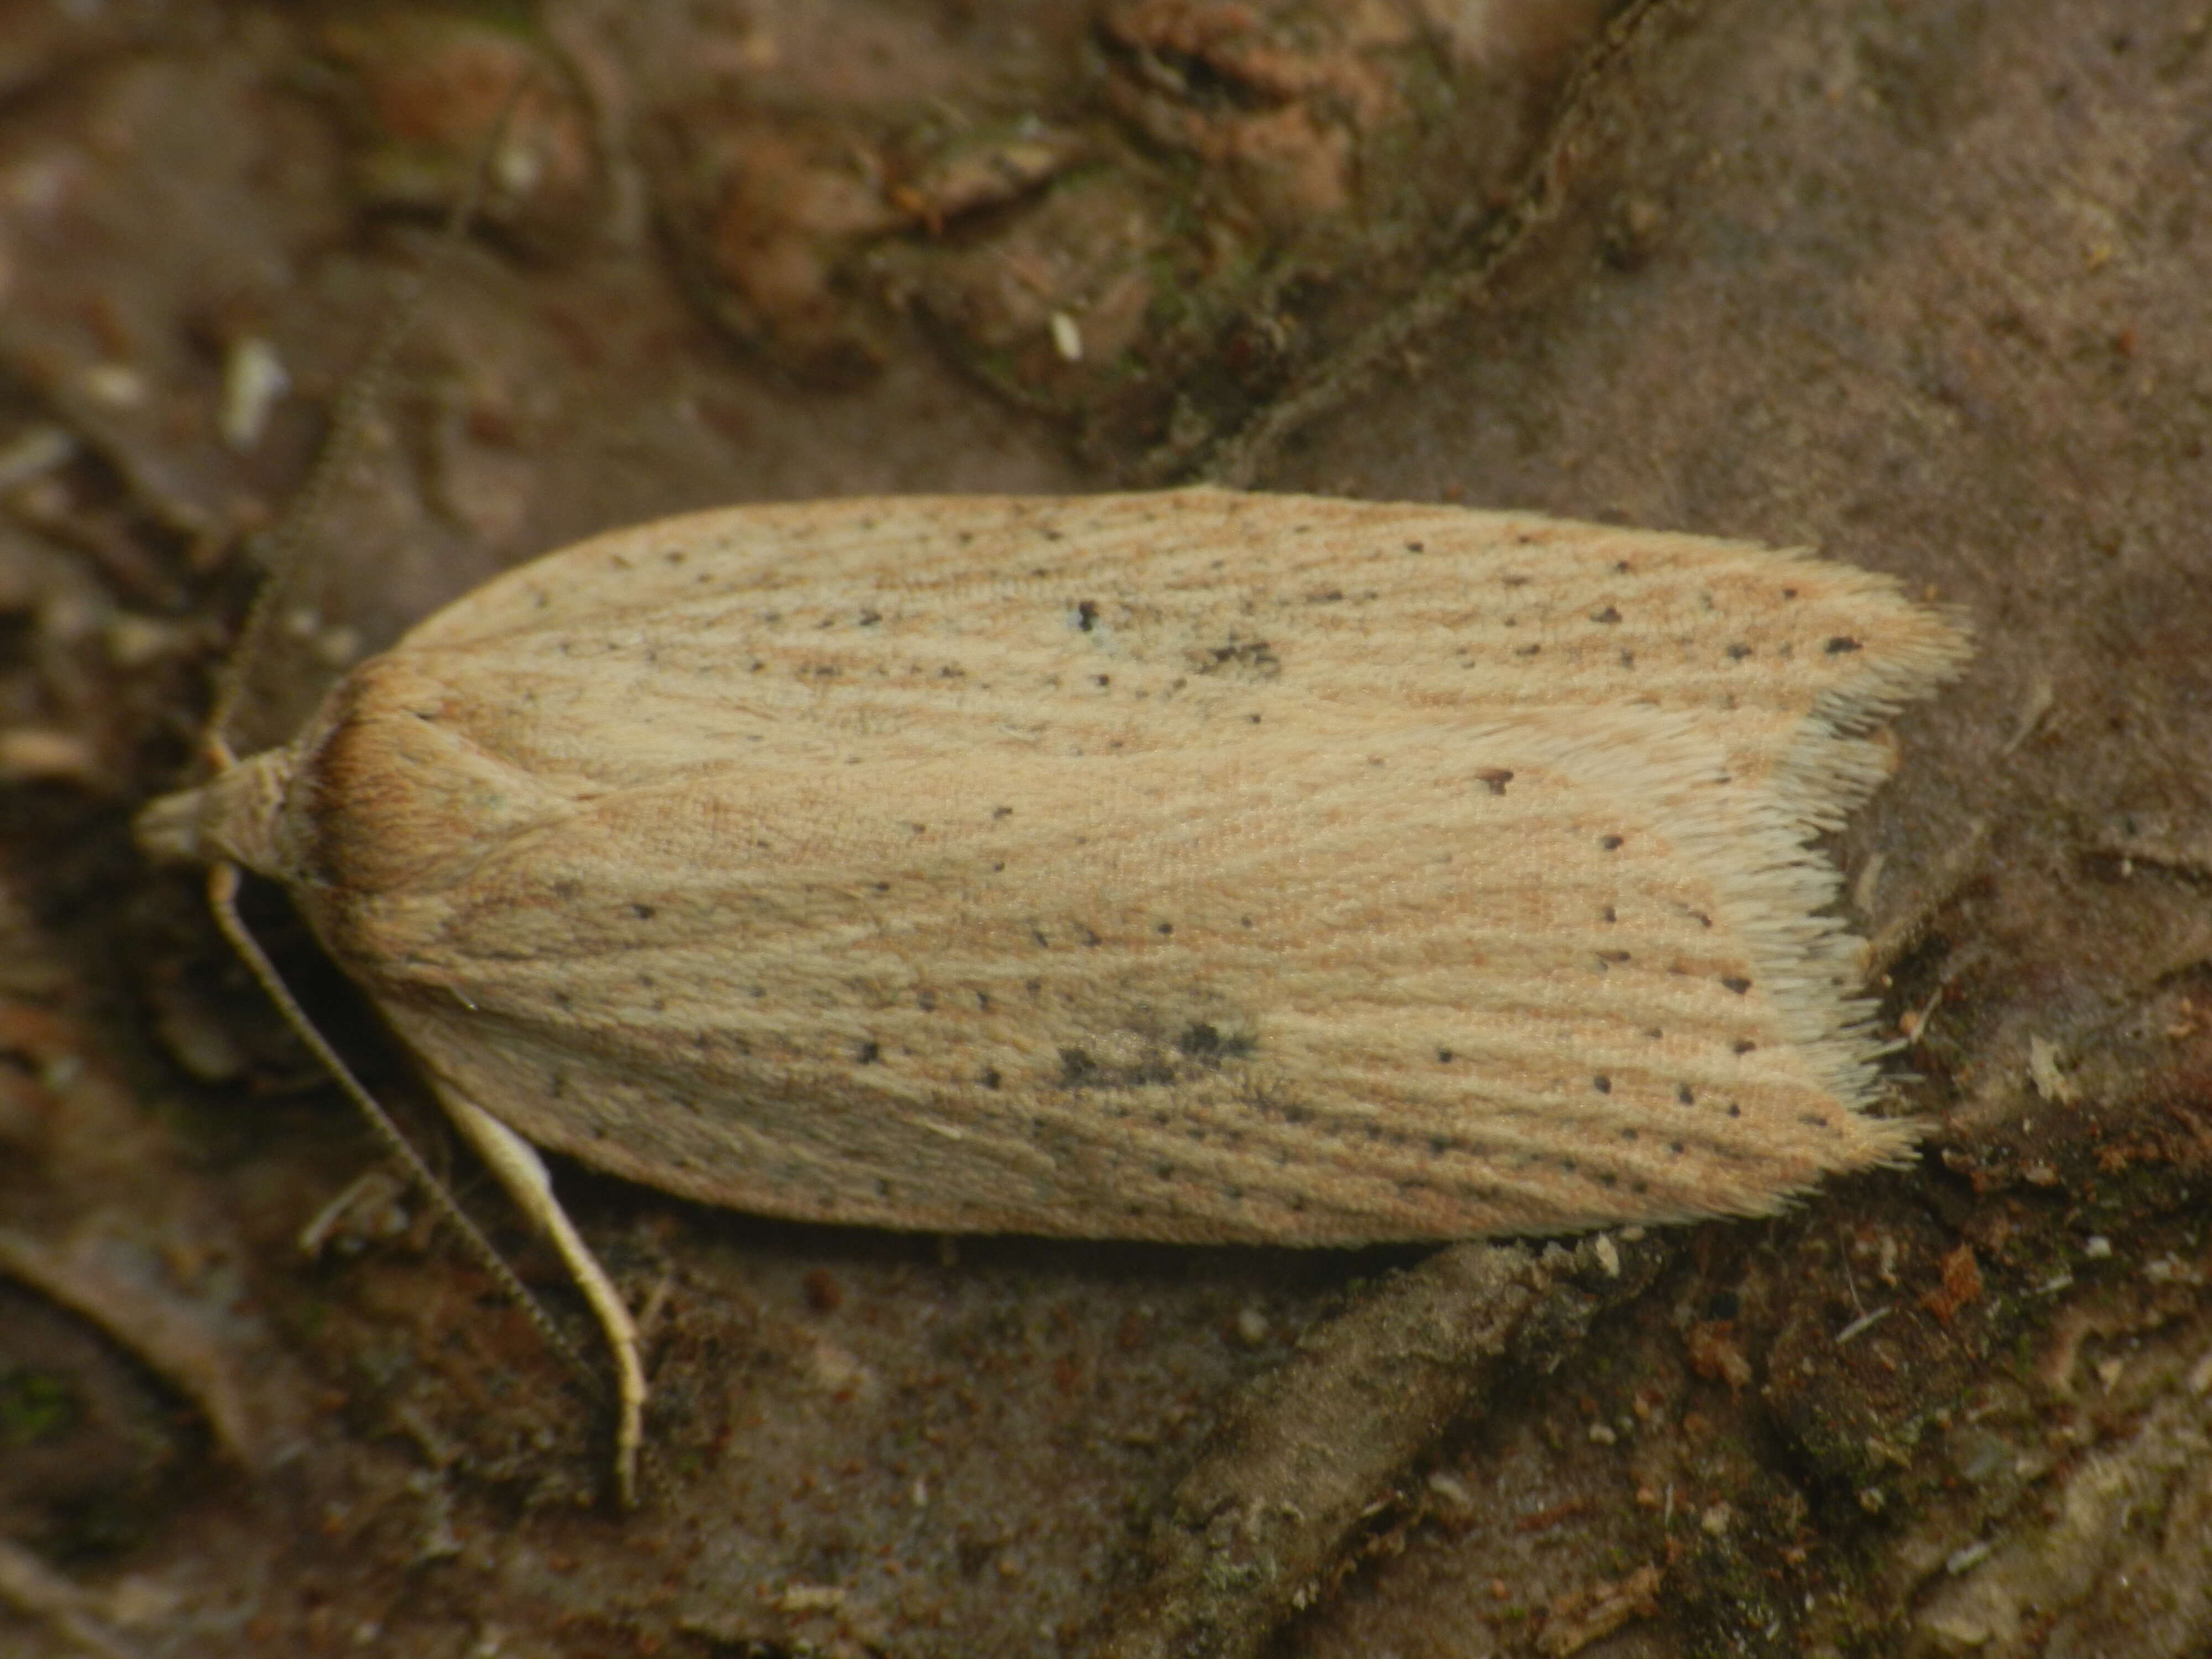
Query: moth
1189	865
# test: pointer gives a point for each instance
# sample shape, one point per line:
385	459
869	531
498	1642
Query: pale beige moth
1192	865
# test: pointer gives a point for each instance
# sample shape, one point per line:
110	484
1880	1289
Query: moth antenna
288	543
295	531
223	899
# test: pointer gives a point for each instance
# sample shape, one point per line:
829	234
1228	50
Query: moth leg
522	1172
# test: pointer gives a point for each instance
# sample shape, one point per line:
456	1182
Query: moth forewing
1189	865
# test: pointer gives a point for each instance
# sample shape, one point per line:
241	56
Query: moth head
233	817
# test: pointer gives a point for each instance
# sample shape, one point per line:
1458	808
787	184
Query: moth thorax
233	818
